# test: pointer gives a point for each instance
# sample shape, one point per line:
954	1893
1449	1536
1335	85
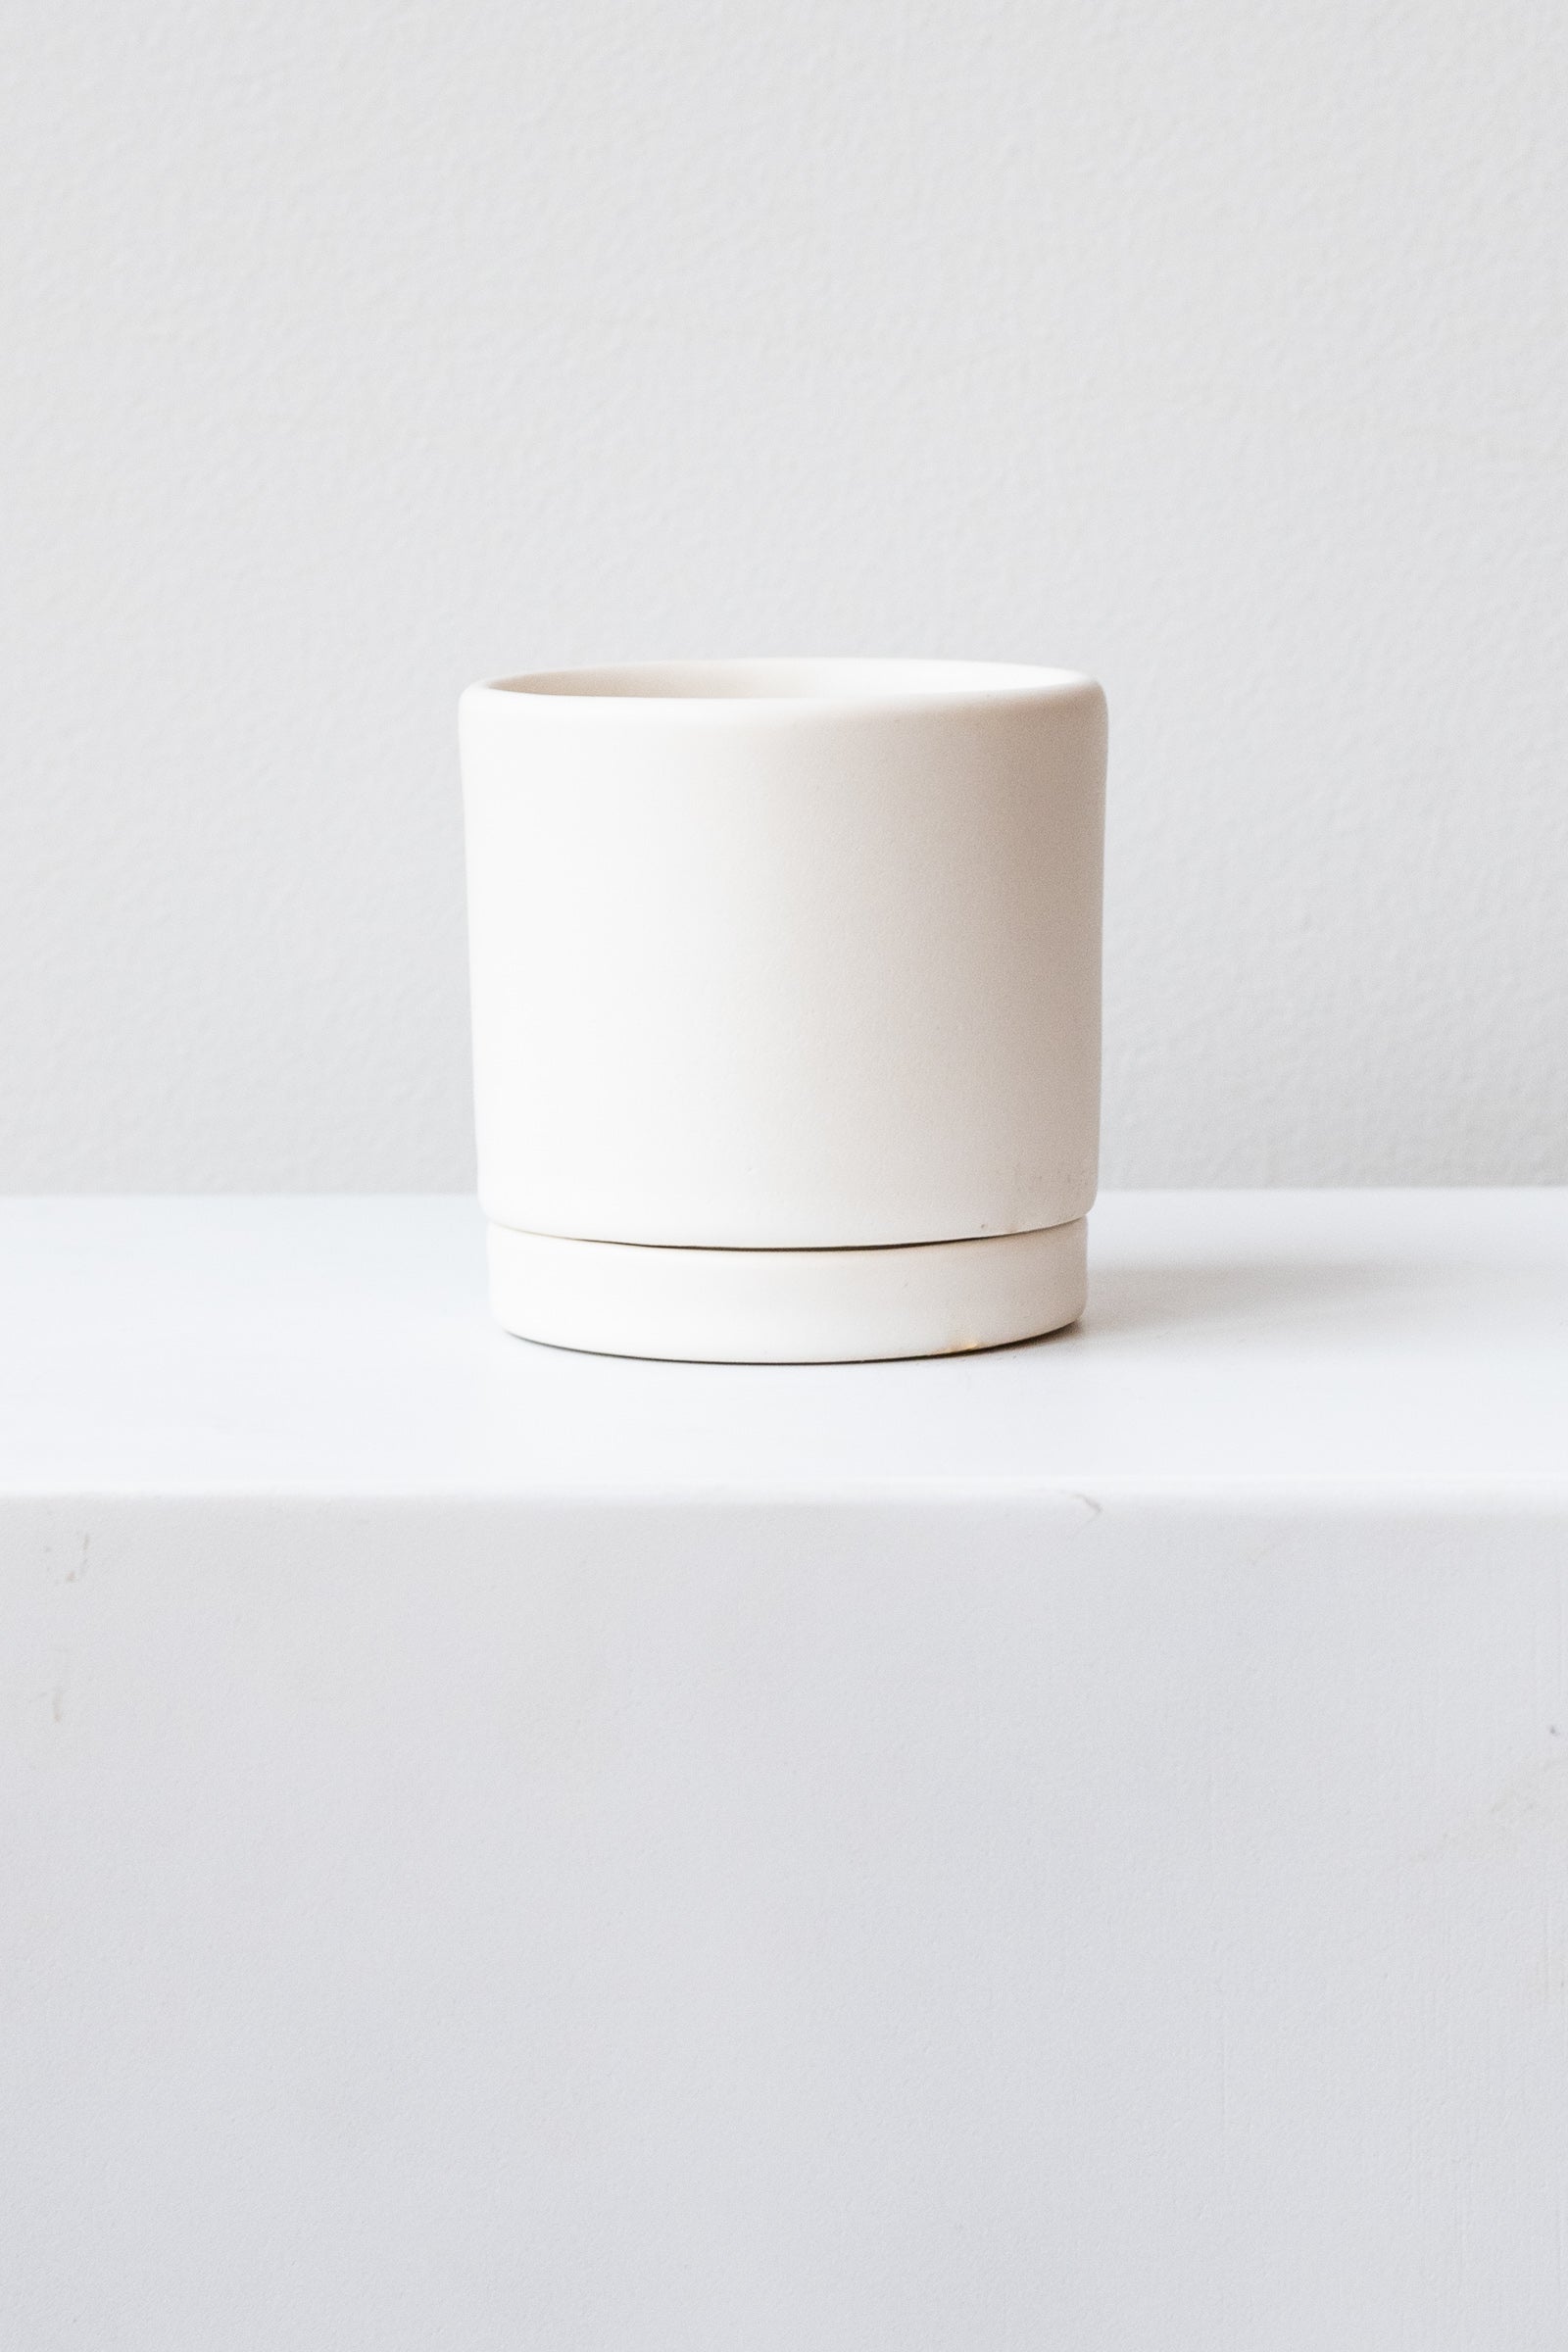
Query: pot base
788	1306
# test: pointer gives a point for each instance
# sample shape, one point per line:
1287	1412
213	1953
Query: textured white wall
352	351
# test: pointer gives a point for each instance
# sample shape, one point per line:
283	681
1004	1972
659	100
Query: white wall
355	351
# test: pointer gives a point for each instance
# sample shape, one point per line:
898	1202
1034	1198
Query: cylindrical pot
786	1003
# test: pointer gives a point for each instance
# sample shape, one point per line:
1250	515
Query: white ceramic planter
786	1003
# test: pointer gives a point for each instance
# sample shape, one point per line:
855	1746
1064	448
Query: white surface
509	1848
354	353
795	956
787	1307
1416	1342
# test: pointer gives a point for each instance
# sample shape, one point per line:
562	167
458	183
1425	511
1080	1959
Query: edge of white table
1065	1847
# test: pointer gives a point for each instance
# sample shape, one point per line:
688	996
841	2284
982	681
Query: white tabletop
1408	1341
